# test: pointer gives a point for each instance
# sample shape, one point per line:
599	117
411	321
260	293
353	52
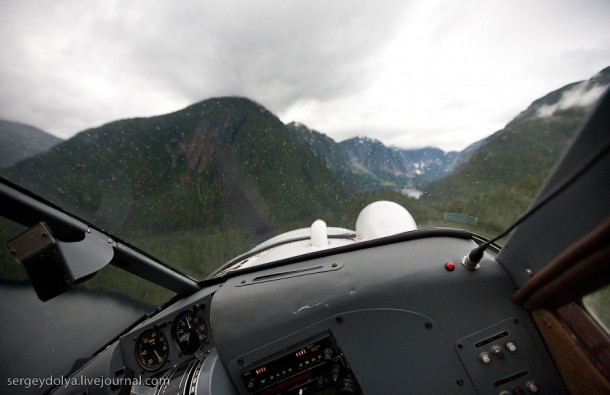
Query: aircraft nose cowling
383	218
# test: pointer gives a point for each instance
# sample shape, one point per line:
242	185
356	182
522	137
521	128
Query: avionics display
311	367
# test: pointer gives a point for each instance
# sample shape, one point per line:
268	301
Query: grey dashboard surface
401	316
397	314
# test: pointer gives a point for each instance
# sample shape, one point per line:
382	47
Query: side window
597	304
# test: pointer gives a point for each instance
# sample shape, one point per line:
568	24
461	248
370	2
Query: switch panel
503	359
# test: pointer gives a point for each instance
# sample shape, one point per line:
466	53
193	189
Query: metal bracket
55	266
31	242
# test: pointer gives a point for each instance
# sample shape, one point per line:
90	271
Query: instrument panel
355	328
189	331
169	338
152	349
189	334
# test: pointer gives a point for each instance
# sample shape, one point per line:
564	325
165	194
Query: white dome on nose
383	218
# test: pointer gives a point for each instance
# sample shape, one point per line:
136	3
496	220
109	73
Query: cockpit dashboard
401	315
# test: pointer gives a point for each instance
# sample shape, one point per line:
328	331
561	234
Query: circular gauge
152	349
189	331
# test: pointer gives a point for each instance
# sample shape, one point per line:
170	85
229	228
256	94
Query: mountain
368	164
398	165
19	141
581	94
203	184
500	175
334	157
323	147
210	180
223	162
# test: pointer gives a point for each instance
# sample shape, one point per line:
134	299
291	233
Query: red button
449	266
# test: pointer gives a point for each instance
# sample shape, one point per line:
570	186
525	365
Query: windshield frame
25	208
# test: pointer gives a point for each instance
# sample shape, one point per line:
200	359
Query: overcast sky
409	73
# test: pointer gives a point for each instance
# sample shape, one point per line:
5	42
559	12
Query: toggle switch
532	386
497	351
484	357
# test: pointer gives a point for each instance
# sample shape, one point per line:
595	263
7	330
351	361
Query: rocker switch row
497	352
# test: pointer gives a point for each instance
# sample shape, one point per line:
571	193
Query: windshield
195	131
243	135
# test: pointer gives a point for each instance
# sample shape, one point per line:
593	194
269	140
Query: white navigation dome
383	218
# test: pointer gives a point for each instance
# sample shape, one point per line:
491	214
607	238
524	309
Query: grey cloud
140	55
70	64
265	50
580	95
